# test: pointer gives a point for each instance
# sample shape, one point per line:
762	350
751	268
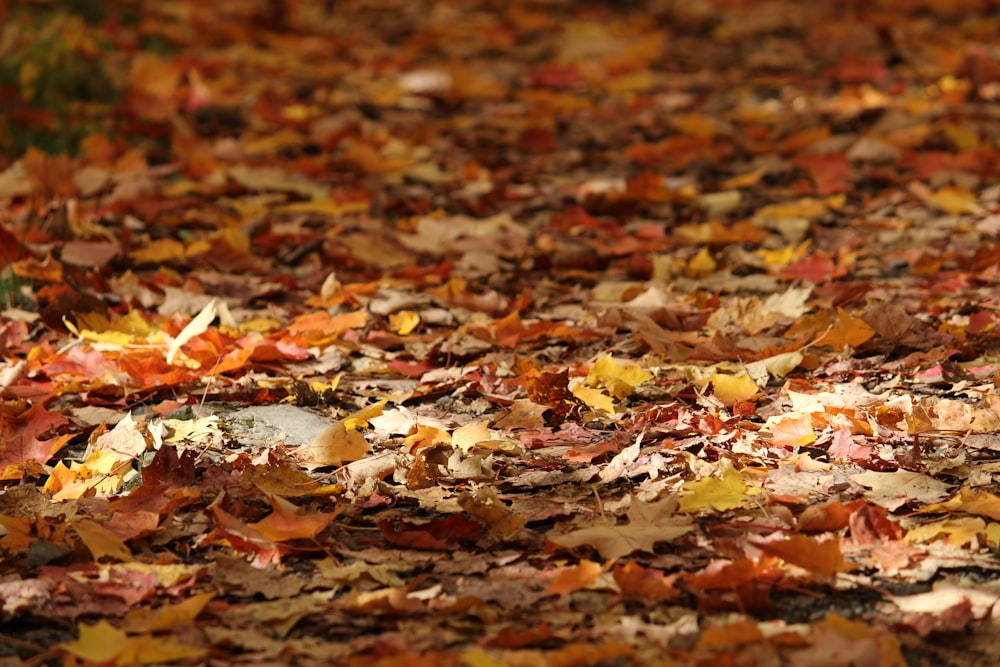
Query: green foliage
10	289
53	73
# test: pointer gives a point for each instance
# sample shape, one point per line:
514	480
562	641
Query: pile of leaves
638	333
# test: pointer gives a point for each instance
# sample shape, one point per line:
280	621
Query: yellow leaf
404	322
134	324
100	541
150	650
702	263
477	657
337	445
159	252
836	202
956	201
981	504
782	364
845	627
144	619
618	377
326	207
957	532
113	338
594	398
731	389
343	441
964	137
633	82
98	644
695	124
782	257
993	535
746	180
711	492
426	436
360	418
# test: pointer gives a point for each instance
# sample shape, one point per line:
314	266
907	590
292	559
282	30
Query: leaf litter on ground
655	334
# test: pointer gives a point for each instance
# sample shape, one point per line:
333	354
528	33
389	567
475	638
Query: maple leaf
101	542
100	643
243	537
648	524
822	557
286	522
732	389
646	583
956	532
893	489
510	241
982	503
168	617
574	578
20	432
617	377
848	330
723	494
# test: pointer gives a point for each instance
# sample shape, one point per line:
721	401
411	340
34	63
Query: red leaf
437	535
21	438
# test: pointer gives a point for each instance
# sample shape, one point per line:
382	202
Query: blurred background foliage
60	76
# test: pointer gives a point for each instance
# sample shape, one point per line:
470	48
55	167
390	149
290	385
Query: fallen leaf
197	326
648	524
344	440
725	493
572	579
825	557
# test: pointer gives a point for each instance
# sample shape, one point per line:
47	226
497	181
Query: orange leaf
792	431
647	583
848	330
734	634
574	578
823	558
826	517
285	523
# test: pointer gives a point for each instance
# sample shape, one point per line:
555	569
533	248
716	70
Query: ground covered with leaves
500	333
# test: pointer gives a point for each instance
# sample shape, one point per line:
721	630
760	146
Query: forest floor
530	333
